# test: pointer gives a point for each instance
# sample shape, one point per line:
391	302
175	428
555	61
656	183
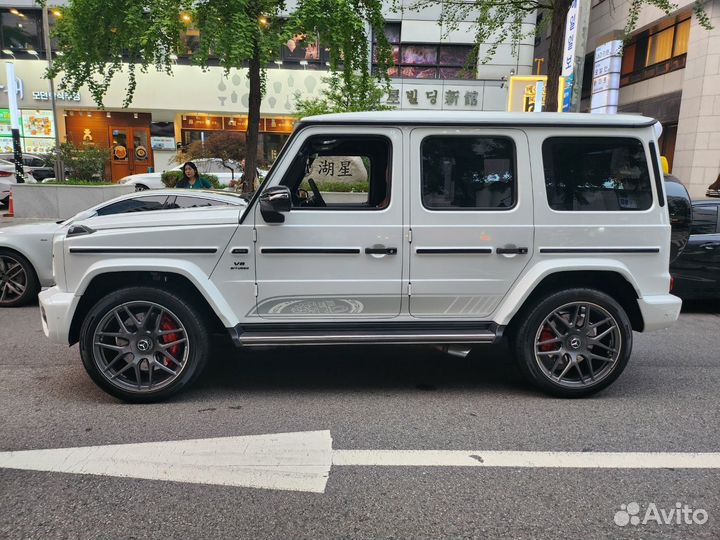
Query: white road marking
284	461
302	461
494	458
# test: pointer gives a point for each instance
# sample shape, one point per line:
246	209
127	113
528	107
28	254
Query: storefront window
21	29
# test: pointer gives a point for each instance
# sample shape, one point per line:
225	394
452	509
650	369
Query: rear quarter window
605	174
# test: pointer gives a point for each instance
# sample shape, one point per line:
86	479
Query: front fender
181	267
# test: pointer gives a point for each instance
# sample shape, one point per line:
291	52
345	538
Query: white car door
471	219
338	254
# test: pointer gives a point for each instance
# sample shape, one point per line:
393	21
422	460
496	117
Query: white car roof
483	118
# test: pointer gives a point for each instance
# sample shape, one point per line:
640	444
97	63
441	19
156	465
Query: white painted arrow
284	461
301	461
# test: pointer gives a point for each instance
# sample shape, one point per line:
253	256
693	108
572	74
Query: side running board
273	334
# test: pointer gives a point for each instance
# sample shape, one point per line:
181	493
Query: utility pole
59	165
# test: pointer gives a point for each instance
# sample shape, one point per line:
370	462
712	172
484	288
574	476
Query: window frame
716	209
450	209
389	194
654	195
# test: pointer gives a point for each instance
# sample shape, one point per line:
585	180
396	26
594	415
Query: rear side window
705	220
603	174
140	204
468	173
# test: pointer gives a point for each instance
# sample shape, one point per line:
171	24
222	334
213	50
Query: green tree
99	38
359	94
498	21
228	147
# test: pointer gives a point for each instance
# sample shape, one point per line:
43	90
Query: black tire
186	318
141	187
539	343
24	274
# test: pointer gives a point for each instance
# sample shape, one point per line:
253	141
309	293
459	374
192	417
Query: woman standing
191	178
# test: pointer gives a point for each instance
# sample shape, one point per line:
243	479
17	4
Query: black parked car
697	269
680	210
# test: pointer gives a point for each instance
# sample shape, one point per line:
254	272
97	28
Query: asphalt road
369	398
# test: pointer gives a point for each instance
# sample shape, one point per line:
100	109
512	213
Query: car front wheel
574	343
18	281
143	344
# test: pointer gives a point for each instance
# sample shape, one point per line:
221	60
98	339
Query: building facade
434	70
670	70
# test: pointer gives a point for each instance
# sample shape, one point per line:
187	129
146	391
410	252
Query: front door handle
381	251
513	250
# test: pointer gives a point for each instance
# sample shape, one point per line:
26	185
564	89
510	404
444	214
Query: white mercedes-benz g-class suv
390	227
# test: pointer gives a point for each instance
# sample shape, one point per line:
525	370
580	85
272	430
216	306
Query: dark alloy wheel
143	344
574	343
18	281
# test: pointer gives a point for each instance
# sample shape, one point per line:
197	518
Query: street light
9	53
34	53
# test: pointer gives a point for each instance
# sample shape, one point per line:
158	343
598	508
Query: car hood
140	176
175	218
43	227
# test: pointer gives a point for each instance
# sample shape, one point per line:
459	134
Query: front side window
140	204
473	173
596	174
341	172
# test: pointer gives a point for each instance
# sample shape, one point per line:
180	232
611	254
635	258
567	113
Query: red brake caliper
545	335
165	325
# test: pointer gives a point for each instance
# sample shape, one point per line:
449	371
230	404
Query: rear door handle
514	250
381	251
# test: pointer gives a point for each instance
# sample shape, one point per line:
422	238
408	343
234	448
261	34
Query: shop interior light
107	114
16	12
135	116
57	13
89	113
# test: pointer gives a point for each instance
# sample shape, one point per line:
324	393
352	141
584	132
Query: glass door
130	151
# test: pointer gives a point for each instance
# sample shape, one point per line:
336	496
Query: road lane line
494	458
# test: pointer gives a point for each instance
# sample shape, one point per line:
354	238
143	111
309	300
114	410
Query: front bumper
56	312
659	311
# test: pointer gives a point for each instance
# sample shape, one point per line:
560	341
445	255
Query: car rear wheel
574	343
18	280
143	344
141	187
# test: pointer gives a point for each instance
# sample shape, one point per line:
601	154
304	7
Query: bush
338	187
83	162
170	178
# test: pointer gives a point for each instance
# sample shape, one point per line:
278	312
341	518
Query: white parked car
225	172
7	179
474	226
26	250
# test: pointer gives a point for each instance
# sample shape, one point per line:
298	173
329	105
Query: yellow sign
523	89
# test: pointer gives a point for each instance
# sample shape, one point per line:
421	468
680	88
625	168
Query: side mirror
274	202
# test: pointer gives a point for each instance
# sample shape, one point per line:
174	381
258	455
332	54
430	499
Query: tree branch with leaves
101	38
